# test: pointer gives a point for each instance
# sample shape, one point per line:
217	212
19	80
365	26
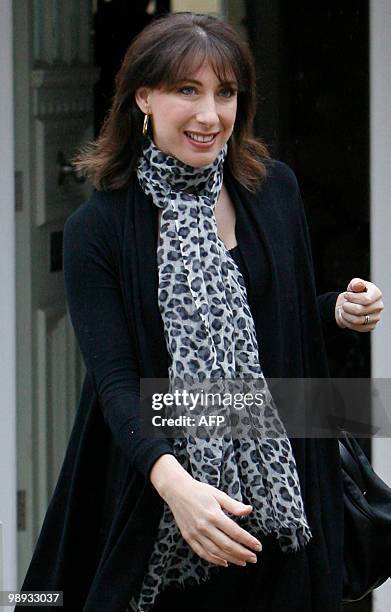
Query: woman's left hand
360	306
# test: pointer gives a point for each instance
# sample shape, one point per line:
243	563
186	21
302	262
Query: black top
237	256
256	273
102	520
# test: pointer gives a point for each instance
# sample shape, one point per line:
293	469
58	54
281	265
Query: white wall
380	178
7	303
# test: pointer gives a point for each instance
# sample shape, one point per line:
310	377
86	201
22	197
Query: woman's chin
198	159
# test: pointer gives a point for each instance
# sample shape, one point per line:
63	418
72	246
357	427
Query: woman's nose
207	111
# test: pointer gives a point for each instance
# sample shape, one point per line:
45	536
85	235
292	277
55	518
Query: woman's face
194	121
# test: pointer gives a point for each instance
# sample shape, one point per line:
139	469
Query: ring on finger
366	320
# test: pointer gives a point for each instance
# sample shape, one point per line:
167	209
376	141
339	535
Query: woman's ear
142	99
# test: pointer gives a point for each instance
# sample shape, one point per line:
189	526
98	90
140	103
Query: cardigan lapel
251	225
254	225
141	240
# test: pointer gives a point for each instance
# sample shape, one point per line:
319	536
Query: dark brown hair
169	49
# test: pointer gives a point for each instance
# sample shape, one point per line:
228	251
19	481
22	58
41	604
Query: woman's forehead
194	68
207	69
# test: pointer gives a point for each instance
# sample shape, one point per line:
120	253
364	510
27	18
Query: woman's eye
227	92
187	90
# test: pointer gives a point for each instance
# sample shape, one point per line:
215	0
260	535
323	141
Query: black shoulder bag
367	512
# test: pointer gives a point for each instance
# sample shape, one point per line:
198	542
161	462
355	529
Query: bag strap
350	464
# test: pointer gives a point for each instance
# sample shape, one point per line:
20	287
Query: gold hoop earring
145	124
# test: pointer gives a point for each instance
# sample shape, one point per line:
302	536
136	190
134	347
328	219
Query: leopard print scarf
210	336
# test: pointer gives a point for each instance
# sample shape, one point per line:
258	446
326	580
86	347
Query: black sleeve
326	301
98	318
326	307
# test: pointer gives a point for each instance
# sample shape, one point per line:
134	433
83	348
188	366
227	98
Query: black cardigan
100	526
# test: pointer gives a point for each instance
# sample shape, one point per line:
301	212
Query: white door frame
380	181
7	308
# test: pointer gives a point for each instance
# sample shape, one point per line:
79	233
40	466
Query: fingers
220	538
357	284
339	317
362	300
205	554
220	545
214	546
198	511
366	298
358	322
236	533
232	505
358	310
229	526
225	533
356	313
353	314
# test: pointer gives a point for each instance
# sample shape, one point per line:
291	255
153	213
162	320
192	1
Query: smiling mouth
205	138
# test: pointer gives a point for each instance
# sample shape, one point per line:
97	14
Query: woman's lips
199	144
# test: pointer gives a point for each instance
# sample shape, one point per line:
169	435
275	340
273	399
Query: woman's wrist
165	473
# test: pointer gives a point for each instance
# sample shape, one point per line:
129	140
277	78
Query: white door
54	80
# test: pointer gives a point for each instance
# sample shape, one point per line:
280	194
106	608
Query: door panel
54	79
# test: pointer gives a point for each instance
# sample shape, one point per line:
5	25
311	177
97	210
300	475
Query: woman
191	261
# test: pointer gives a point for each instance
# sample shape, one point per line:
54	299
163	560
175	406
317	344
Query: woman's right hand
198	511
